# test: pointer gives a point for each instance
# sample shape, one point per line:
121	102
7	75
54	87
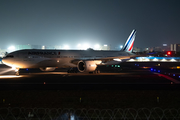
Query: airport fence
89	114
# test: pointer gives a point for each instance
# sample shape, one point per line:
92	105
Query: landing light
117	59
14	68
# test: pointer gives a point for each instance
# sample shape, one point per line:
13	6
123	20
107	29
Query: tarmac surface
124	87
121	78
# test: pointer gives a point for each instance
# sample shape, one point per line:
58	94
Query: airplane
86	61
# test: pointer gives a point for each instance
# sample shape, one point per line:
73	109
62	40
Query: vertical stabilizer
128	46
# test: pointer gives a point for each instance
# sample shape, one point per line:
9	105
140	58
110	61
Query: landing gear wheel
17	73
96	71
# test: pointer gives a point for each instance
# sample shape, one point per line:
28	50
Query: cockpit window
9	56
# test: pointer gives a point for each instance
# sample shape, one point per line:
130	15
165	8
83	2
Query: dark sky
58	22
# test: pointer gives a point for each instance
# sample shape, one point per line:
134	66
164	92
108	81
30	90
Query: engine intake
87	66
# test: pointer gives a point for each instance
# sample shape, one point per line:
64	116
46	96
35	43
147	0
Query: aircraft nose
6	61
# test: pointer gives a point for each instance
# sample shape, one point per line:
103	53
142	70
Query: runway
133	78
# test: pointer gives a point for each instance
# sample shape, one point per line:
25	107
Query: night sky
59	22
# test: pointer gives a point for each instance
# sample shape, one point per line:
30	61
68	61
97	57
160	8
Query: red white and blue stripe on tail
128	46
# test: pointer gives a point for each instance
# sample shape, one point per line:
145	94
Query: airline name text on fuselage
44	53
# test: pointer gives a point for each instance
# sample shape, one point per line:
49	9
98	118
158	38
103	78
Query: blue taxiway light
27	69
151	69
159	71
154	69
173	74
179	76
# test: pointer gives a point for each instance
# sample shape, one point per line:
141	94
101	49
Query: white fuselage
55	58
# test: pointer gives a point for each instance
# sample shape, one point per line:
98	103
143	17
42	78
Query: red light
169	53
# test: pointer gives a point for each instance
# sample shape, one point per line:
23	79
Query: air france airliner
85	60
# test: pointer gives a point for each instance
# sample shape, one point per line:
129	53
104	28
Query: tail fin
128	46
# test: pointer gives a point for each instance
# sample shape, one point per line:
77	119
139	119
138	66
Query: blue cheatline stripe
129	40
129	45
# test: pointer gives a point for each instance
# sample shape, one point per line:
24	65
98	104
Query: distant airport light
154	69
151	69
163	59
66	47
174	75
85	46
164	44
159	71
155	59
79	45
172	60
132	60
121	46
179	76
105	45
11	48
43	47
97	47
168	53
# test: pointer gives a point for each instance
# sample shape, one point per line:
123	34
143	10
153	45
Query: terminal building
175	47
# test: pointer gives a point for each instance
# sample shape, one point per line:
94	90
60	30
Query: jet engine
87	66
48	69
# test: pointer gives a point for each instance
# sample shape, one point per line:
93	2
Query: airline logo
130	41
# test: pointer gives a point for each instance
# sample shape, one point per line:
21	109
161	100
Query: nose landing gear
17	71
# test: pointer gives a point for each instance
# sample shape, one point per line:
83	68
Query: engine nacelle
87	66
48	69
